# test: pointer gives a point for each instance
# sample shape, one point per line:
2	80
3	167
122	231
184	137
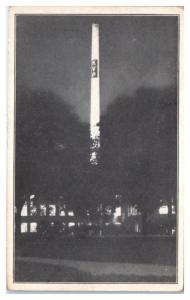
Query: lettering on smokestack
94	68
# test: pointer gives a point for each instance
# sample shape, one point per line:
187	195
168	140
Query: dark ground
30	272
156	250
142	250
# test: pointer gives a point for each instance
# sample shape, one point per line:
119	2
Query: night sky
53	52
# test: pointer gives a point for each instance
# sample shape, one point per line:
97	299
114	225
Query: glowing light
163	210
42	210
117	215
32	197
52	210
93	158
33	227
173	231
62	213
33	209
24	210
137	229
118	211
173	210
70	213
24	227
71	224
132	211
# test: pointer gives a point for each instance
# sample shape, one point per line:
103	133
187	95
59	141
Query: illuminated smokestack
95	97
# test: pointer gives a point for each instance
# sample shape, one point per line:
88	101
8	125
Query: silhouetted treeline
138	154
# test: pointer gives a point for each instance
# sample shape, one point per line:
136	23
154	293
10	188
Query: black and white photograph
94	145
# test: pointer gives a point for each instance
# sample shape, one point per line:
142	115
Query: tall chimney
95	97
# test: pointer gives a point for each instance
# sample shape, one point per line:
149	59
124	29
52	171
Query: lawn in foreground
155	251
36	272
149	250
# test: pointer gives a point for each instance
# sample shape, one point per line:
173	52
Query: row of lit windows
50	210
44	210
33	226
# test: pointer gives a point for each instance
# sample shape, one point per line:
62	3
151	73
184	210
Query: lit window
70	213
118	211
52	210
174	231
173	210
62	213
137	227
132	211
128	211
163	210
33	227
71	224
117	215
32	197
24	210
33	209
42	210
24	227
52	224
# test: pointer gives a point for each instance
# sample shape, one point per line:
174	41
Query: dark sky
53	52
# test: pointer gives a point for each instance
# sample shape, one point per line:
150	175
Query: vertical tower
95	97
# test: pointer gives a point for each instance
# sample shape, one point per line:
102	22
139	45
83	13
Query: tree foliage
139	146
51	146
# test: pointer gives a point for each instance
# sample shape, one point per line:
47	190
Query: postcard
95	166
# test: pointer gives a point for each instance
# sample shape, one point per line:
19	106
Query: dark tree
139	147
51	148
